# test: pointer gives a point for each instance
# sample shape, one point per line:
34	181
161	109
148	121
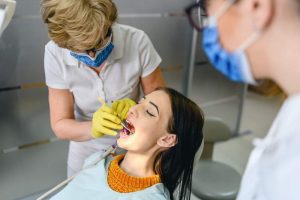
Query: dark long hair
175	165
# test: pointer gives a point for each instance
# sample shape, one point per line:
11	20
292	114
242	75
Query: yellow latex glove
105	122
122	107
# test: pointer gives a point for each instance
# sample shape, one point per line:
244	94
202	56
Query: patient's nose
133	111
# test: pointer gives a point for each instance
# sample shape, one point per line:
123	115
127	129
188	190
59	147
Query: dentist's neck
138	165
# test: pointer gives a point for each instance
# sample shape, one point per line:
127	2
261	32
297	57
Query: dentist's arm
63	123
152	81
105	120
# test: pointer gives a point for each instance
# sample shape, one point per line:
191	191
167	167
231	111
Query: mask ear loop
224	8
214	18
254	36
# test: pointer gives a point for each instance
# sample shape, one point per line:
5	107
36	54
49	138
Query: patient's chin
122	144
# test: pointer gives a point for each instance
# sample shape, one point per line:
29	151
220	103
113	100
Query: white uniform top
133	57
91	183
273	171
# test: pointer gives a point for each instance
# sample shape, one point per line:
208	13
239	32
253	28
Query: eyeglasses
100	46
196	13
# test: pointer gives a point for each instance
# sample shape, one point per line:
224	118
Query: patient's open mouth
128	128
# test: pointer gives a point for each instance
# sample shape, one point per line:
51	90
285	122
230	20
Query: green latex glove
105	122
122	107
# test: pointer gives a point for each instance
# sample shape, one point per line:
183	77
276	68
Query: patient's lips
128	129
130	126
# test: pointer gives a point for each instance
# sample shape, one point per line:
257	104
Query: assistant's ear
168	140
261	12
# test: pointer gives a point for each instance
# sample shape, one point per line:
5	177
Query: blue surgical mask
100	57
234	65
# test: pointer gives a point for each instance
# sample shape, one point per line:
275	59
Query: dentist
91	56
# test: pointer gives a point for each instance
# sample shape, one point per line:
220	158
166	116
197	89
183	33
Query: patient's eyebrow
154	106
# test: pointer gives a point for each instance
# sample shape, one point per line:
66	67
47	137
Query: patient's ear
168	140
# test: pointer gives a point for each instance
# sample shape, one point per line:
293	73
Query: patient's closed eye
151	104
149	113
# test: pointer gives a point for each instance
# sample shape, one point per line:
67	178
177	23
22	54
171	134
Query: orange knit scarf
121	182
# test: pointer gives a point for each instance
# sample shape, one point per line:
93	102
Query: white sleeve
149	57
54	72
281	177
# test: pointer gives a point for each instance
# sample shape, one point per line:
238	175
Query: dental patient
165	132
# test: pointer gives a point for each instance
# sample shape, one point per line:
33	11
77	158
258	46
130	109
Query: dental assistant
248	40
91	56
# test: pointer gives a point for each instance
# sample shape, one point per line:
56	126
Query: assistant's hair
175	165
78	25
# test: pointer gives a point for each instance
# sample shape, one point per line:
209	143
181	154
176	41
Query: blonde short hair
78	25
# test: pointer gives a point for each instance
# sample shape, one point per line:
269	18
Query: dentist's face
238	23
234	25
149	121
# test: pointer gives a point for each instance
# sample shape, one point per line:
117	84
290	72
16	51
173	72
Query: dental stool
214	180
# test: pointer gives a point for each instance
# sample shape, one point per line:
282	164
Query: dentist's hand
122	106
105	122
